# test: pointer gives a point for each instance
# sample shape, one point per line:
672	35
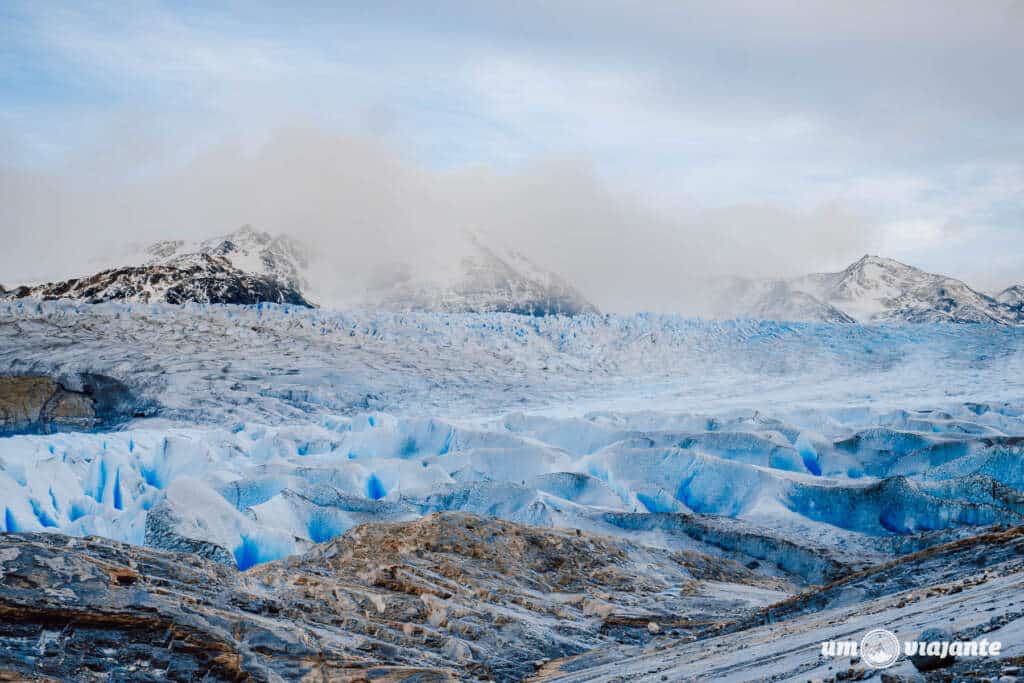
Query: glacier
271	428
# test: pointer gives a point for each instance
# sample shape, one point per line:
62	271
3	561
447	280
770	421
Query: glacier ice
262	492
273	428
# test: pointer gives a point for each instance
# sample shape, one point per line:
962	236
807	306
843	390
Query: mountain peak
487	277
247	235
1013	297
875	289
879	261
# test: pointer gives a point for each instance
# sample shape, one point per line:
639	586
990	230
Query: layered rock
43	404
450	597
969	588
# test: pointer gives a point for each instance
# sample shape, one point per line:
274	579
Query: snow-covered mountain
251	251
484	279
250	266
199	278
870	290
875	289
244	267
480	275
1014	298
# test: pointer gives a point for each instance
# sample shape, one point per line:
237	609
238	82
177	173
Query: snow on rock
195	278
1014	298
773	300
871	290
876	289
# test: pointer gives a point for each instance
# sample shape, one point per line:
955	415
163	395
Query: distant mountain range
249	266
870	290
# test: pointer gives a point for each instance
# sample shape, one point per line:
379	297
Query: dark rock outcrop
926	662
41	405
198	278
37	404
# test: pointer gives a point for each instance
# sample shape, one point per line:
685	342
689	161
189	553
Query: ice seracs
535	487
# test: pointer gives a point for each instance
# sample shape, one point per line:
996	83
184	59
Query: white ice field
254	432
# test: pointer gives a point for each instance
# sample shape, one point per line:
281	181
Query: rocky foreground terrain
966	590
455	596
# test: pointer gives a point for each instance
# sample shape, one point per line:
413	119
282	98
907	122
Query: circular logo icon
879	648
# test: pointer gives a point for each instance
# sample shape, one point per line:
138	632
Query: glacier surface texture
250	433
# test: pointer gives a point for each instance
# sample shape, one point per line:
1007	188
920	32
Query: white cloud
364	207
773	136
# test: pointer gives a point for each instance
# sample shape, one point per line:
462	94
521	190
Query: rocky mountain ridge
248	266
882	290
188	278
255	252
871	290
1013	297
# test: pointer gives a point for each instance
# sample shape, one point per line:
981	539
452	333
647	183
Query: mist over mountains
479	274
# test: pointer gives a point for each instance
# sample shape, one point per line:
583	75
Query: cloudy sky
635	147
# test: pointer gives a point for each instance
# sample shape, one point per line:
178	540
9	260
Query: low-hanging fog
361	207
